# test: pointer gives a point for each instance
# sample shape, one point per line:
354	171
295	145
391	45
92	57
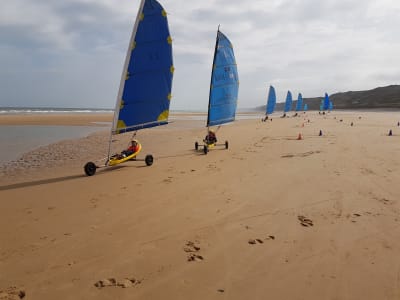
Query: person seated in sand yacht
210	138
134	147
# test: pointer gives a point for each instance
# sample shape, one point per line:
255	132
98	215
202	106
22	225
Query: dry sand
272	217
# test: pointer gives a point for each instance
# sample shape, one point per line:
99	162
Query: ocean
18	139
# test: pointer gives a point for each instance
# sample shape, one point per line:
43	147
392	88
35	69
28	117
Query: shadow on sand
98	173
54	180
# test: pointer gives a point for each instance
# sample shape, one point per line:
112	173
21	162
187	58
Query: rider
210	138
134	147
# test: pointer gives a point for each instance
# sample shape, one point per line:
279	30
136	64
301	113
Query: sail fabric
326	102
145	90
288	103
299	103
271	100
224	85
305	107
330	105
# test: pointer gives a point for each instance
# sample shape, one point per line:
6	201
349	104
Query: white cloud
306	46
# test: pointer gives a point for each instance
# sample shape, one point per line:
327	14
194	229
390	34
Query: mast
212	73
123	75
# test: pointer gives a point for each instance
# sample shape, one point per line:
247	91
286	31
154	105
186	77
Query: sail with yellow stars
145	90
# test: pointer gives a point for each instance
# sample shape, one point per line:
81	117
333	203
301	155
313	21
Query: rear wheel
226	145
149	159
205	149
196	146
90	168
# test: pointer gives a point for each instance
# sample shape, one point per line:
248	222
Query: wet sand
271	217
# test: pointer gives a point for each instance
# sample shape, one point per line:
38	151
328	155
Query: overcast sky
70	53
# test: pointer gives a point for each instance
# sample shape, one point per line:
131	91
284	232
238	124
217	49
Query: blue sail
224	86
299	103
288	103
271	100
326	102
145	90
305	107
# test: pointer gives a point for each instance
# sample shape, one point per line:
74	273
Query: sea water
19	139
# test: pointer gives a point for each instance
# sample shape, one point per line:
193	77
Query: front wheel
149	159
205	149
196	146
90	168
226	145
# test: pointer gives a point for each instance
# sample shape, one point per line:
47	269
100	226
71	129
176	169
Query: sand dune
272	217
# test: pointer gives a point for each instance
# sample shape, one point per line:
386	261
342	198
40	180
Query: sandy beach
272	217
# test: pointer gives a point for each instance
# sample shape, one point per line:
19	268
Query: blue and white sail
145	90
299	104
305	107
326	102
224	86
271	100
288	102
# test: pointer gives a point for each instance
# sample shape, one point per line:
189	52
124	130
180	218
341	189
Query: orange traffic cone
300	137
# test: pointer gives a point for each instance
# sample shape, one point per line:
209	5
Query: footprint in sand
260	241
12	293
194	257
168	180
192	248
305	221
125	283
354	215
255	241
385	201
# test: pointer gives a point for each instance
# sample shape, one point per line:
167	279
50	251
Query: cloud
71	53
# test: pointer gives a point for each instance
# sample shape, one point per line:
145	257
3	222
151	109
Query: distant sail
288	103
271	100
326	102
145	90
224	86
305	107
299	103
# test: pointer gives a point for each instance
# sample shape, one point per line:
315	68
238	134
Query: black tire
149	159
205	149
226	145
196	146
90	168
